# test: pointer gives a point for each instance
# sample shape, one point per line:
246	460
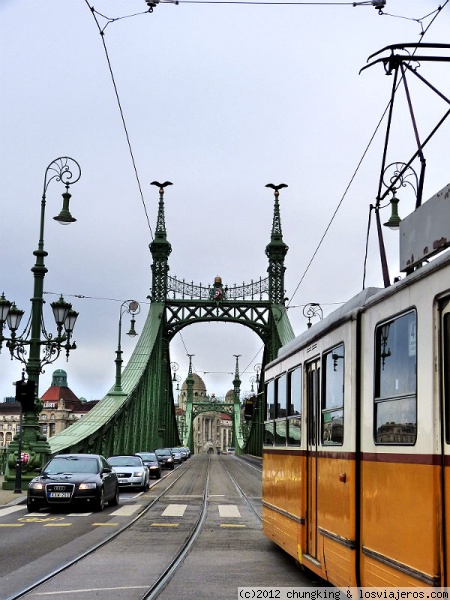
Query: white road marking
229	510
126	511
174	510
10	509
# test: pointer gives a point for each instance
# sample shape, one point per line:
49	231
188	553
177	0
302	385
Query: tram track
110	538
241	492
160	556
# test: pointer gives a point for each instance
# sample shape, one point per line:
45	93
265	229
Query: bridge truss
141	416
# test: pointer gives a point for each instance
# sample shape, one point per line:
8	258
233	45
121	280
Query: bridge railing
182	289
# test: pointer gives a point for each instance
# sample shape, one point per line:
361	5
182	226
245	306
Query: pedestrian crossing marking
174	510
229	510
79	514
126	511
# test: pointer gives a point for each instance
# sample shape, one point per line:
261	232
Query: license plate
59	495
123	480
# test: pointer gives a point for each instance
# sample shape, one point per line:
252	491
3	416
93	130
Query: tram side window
280	410
333	397
294	423
270	413
395	402
281	396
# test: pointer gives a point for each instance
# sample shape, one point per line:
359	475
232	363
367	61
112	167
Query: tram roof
361	300
339	315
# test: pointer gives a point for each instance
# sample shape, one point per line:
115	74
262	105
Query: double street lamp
36	347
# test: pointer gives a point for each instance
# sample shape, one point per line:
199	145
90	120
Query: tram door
313	403
445	378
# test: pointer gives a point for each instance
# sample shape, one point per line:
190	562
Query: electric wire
438	11
354	4
122	116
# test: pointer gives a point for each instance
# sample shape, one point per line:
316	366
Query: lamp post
35	336
311	310
133	308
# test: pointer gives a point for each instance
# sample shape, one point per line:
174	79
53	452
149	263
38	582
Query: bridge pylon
141	416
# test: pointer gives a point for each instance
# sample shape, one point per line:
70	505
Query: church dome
229	396
199	385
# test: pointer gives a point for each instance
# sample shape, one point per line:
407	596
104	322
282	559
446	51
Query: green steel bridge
140	413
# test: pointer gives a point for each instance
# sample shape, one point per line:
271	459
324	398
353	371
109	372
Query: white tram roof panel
332	320
426	231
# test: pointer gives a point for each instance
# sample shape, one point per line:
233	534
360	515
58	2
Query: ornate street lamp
311	310
133	308
27	347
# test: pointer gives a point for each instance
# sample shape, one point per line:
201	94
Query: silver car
131	472
177	458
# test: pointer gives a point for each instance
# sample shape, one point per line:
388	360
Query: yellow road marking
231	525
57	524
164	525
12	525
105	524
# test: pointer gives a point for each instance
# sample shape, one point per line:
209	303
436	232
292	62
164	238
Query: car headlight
139	473
36	485
170	460
87	486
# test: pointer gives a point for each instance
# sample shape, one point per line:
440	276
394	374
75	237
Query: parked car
165	458
151	461
73	479
176	453
131	472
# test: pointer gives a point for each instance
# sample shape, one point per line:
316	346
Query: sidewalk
9	497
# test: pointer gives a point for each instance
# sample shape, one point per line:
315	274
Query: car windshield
124	461
72	464
148	456
163	452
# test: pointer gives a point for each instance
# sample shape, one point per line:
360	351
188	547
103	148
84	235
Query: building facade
213	430
61	408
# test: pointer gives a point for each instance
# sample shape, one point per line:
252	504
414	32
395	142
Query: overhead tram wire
122	116
437	11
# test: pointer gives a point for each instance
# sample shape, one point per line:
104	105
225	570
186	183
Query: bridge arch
142	416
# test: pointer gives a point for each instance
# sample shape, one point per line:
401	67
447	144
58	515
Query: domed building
211	430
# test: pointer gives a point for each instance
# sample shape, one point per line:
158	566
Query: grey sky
220	100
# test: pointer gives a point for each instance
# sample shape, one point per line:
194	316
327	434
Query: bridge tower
141	416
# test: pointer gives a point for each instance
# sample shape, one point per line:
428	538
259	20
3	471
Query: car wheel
147	485
158	475
172	467
31	508
100	504
115	500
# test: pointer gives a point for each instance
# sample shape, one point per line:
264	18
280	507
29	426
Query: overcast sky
220	99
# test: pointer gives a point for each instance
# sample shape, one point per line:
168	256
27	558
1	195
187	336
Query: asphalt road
229	552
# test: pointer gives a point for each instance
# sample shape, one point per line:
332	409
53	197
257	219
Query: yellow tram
356	460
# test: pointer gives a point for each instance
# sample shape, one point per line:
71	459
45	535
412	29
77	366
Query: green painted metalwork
141	415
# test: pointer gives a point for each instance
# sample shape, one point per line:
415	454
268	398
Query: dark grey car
74	479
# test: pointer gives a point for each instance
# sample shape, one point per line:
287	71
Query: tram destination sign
426	231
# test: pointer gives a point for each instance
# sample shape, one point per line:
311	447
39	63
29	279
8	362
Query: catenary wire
438	11
122	116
